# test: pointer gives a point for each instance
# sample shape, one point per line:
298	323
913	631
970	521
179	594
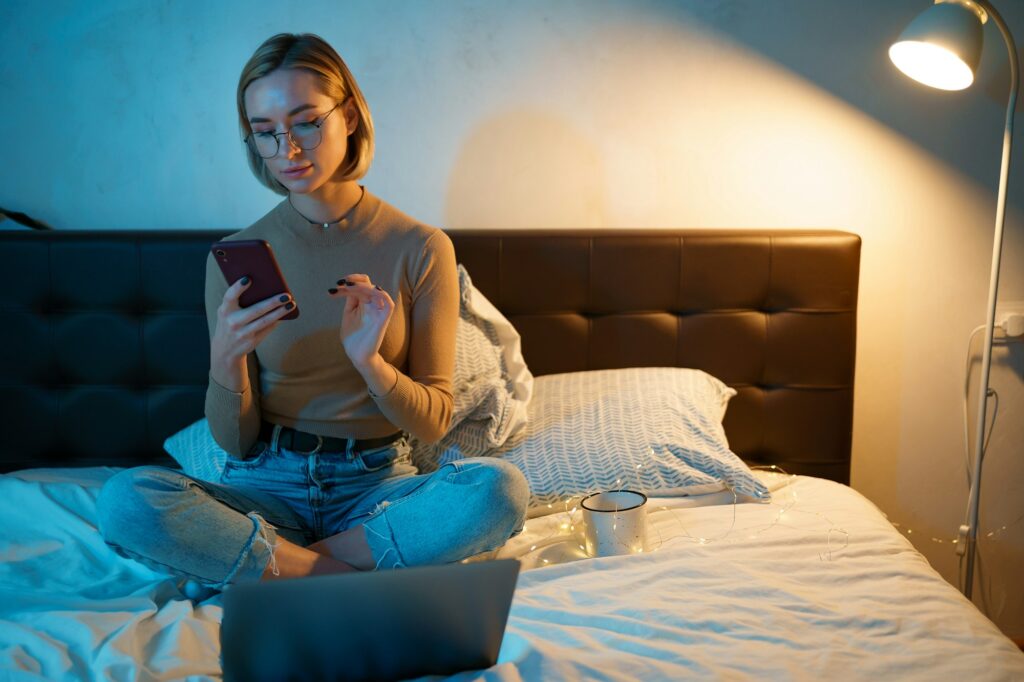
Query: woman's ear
351	115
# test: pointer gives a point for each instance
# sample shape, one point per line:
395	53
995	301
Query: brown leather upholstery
772	313
105	351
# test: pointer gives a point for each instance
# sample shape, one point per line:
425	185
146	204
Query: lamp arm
975	494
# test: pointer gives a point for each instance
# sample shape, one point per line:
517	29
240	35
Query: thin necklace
362	192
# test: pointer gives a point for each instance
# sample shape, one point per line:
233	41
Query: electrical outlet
1006	308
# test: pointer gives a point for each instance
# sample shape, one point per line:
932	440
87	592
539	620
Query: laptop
370	625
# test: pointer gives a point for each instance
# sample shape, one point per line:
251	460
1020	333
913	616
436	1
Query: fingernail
333	290
348	284
289	306
378	288
342	281
283	298
245	280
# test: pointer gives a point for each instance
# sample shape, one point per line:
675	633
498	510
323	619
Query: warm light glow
931	64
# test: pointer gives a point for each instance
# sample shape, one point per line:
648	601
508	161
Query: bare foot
293	561
349	546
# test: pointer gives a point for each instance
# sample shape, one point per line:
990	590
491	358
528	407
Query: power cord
990	393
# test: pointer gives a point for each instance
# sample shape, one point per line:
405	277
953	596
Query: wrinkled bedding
815	584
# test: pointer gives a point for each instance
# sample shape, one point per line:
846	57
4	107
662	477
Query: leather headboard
105	350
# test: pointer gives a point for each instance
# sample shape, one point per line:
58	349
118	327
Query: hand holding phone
255	258
249	309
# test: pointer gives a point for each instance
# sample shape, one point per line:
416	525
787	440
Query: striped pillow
653	429
492	385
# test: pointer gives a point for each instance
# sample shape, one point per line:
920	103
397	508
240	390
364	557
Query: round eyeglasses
306	135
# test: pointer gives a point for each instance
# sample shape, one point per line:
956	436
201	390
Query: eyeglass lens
305	136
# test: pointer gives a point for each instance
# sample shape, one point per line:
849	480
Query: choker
362	193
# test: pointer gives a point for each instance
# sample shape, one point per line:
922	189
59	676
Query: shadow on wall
526	169
844	49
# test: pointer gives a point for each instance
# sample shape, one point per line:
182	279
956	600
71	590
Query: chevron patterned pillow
491	384
653	429
194	448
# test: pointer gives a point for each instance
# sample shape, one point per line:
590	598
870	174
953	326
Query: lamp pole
986	363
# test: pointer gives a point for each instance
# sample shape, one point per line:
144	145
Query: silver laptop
371	625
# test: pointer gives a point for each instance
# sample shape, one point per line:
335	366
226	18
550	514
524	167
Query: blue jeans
222	533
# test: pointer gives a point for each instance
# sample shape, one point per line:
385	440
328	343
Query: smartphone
255	258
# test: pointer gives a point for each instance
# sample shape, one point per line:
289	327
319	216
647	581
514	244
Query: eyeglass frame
249	140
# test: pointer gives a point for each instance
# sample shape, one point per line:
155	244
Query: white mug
615	522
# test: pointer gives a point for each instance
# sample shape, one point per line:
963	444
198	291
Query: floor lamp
941	48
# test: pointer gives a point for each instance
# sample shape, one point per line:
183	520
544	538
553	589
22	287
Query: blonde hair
312	53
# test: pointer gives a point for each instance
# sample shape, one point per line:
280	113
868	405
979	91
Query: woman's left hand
368	310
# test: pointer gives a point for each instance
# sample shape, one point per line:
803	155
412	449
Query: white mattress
815	585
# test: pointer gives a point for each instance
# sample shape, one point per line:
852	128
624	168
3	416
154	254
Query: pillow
653	429
517	375
198	454
491	384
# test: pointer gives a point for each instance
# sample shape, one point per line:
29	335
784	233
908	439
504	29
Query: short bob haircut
312	53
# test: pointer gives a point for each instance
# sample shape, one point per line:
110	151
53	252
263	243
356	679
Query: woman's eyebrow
301	107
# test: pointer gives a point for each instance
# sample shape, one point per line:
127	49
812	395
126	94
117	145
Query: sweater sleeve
234	417
421	401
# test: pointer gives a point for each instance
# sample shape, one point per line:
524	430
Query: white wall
756	113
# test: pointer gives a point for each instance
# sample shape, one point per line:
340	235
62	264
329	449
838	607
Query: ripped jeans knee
462	511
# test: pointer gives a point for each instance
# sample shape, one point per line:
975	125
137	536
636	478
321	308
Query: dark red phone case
255	258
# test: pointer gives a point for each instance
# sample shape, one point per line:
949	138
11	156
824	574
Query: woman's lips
297	173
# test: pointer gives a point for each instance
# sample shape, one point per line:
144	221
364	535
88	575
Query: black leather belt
309	443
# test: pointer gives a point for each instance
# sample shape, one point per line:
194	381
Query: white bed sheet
816	584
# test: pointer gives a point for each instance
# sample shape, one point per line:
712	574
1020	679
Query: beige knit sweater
300	375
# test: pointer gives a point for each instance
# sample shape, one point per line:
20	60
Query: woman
316	411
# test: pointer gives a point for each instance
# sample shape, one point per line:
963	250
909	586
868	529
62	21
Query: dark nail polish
333	290
342	281
284	297
245	280
348	284
289	306
378	288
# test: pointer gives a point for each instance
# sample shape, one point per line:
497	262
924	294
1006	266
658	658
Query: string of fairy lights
570	530
953	540
835	537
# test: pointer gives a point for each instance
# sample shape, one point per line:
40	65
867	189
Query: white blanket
815	585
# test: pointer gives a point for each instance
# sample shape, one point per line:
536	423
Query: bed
105	354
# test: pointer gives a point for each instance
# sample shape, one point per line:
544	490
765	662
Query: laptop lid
370	625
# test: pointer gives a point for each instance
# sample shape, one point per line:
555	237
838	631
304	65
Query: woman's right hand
239	330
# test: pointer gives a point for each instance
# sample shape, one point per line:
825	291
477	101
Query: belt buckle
319	444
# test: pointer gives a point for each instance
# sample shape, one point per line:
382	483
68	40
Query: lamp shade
941	47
